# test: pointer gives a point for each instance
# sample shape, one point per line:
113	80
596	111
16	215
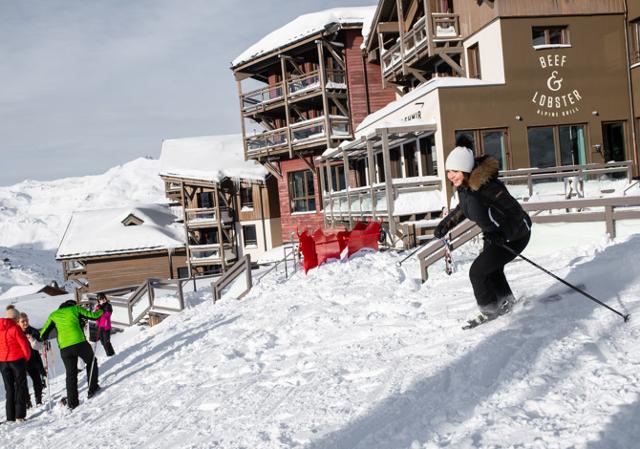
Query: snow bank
304	26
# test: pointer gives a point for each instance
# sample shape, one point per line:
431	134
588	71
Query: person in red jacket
15	351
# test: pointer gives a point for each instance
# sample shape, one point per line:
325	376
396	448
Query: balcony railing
308	83
209	254
205	217
302	134
444	26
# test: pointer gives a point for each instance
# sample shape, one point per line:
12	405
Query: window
428	156
551	146
493	142
473	59
246	197
410	162
249	235
613	141
550	35
205	200
183	272
75	265
301	191
635	41
337	177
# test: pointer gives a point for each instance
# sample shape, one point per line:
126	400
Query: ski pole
624	317
93	363
46	360
415	251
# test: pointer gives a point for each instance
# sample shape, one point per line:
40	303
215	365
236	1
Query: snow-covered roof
208	158
420	91
305	26
101	232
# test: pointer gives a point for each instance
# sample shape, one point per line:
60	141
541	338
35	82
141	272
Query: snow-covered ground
360	354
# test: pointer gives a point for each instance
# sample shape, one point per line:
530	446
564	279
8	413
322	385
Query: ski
481	318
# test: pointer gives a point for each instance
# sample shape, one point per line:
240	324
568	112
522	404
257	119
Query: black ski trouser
487	271
105	339
14	376
70	356
35	370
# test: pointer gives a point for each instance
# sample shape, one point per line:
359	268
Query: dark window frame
246	197
253	242
557	150
547	30
634	46
477	137
307	197
473	58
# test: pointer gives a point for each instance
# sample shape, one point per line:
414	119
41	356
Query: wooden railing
611	210
529	175
444	26
261	97
204	216
132	303
235	282
302	133
210	253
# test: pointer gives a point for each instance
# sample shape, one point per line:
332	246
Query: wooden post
323	85
323	191
372	177
429	25
388	183
330	190
185	220
610	224
219	223
244	131
401	27
381	51
347	185
285	92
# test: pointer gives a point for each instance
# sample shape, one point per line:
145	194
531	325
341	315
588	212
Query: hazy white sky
90	84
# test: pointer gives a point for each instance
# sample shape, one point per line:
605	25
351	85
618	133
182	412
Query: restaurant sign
555	99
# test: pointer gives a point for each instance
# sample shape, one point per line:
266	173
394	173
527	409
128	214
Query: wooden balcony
424	40
199	218
299	135
209	254
297	88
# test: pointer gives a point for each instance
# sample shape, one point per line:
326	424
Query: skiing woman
485	200
15	351
104	323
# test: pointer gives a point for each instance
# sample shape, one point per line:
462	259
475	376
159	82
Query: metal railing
609	211
263	96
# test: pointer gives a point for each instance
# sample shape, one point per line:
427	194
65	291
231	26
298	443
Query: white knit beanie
460	159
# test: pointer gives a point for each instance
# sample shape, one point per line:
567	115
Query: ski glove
494	238
441	230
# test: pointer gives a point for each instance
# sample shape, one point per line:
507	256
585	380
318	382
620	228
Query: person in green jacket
73	344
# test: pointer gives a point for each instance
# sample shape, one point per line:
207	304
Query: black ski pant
14	376
35	370
70	356
105	339
487	271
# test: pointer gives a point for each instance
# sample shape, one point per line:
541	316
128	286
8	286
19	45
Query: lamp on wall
519	118
595	113
597	148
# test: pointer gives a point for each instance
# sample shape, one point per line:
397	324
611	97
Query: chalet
542	84
118	247
229	207
304	88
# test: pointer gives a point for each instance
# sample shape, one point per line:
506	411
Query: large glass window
541	147
428	156
246	197
493	142
205	200
337	177
410	162
551	146
301	191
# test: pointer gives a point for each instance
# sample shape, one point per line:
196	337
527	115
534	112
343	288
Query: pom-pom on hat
460	159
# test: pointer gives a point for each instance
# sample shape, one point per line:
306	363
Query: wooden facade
316	91
105	272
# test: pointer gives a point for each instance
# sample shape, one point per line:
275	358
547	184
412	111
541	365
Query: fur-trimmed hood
486	169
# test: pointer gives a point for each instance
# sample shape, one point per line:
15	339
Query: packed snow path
360	354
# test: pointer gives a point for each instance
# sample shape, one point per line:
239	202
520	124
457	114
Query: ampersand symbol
553	83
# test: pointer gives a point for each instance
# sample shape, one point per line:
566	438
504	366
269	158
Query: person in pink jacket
104	324
15	351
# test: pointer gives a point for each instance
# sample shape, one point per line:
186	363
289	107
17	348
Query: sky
88	85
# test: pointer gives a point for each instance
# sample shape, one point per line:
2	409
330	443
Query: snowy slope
34	215
362	355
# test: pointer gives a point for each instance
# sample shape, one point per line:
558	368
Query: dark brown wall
552	7
130	269
366	94
634	9
595	66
